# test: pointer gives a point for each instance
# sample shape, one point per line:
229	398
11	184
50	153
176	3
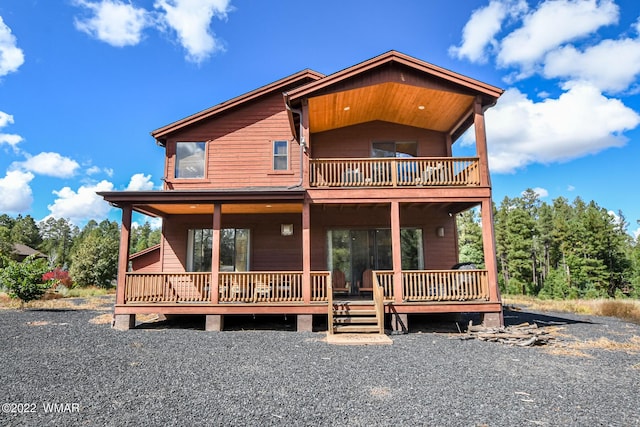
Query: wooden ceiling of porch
392	102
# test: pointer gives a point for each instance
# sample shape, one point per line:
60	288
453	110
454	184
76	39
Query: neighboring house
315	189
20	252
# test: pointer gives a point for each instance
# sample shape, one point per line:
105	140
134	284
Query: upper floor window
190	159
280	155
394	149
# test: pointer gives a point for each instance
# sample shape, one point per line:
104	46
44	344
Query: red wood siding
148	262
269	250
240	148
272	252
439	252
355	141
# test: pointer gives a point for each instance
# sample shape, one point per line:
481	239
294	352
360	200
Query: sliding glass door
353	251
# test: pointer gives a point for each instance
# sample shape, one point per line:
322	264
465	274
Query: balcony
394	172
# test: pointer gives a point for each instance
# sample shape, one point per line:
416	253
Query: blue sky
83	82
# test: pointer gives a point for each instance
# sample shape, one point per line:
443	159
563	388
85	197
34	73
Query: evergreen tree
57	240
95	255
26	231
470	238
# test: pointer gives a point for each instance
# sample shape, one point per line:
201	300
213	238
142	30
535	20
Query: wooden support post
123	255
481	142
489	248
306	252
305	143
215	253
396	248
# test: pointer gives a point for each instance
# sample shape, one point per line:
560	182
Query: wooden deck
286	287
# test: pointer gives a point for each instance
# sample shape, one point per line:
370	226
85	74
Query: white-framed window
190	160
234	249
280	155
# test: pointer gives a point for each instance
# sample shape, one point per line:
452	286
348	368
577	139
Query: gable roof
400	58
301	77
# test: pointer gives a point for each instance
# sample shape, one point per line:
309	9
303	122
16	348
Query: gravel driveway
164	375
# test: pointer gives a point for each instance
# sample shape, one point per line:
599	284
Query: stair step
351	312
356	328
357	319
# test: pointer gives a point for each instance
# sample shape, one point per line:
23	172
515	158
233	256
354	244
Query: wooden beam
306	252
215	253
123	257
489	248
481	143
396	248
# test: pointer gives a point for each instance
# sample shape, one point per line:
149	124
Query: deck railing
286	287
243	287
167	287
394	172
445	285
385	280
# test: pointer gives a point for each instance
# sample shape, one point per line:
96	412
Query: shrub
23	280
57	277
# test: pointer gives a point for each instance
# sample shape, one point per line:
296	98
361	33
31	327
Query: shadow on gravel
231	323
516	317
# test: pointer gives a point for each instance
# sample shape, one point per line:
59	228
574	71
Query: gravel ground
161	374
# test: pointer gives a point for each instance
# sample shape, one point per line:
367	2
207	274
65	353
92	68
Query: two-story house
320	195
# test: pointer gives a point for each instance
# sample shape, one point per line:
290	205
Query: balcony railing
394	172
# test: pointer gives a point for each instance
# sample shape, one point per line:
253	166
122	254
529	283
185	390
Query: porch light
440	231
286	229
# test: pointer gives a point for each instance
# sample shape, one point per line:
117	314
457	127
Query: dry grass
631	346
89	303
628	310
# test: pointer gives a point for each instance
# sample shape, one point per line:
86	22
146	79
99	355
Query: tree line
558	250
89	255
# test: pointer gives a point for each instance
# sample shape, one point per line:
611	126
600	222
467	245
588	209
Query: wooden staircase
355	317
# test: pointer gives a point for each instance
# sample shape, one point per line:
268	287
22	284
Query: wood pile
522	335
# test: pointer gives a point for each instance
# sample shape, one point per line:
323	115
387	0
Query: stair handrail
378	302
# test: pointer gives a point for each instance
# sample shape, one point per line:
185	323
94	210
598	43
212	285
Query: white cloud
50	164
571	188
191	20
11	56
82	205
480	31
8	138
581	121
595	64
140	182
94	170
551	25
16	192
114	22
541	192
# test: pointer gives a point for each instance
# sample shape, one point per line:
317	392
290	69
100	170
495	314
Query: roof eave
160	133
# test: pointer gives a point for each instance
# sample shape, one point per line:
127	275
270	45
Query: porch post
305	167
489	245
306	251
481	142
123	255
397	251
123	321
215	252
